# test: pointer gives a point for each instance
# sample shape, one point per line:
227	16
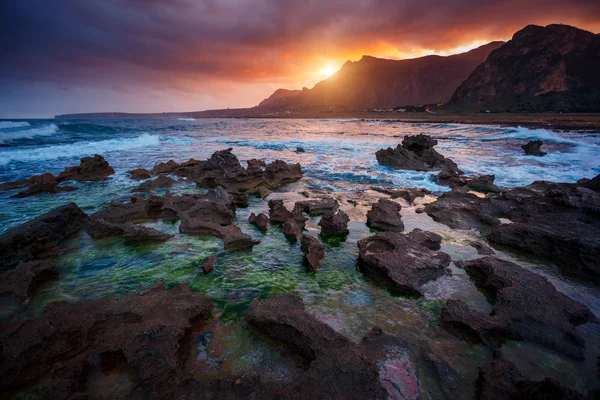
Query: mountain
552	68
379	83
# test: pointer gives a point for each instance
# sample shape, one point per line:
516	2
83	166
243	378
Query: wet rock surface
532	148
408	194
385	215
334	223
139	174
525	307
145	334
45	183
261	221
407	260
162	182
317	206
26	242
25	278
380	366
209	265
483	184
94	168
313	251
501	380
416	153
140	233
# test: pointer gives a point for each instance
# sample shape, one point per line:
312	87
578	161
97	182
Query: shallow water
340	159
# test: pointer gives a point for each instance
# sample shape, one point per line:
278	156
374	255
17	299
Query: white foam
76	150
10	136
186	119
13	124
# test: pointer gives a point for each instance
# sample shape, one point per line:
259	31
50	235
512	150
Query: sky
70	56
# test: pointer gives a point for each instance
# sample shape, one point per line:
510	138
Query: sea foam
13	124
76	150
10	136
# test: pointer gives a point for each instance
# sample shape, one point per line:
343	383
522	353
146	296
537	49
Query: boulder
164	168
256	164
334	223
532	148
28	241
139	174
277	211
317	206
261	221
146	336
94	168
416	153
408	194
25	278
407	260
280	173
99	228
481	248
385	215
140	233
483	184
209	265
462	210
313	250
234	238
137	209
592	184
162	182
525	307
45	183
299	150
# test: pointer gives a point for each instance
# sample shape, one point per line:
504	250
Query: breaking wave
10	136
186	119
13	124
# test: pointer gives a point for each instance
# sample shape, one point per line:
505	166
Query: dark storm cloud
182	43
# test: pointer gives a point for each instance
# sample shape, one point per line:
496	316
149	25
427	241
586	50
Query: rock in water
334	223
147	334
532	148
277	211
165	168
27	241
483	183
408	194
525	307
385	215
139	174
162	182
94	168
416	153
407	260
140	233
313	250
261	221
317	206
209	265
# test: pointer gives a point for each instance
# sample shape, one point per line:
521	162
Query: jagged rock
137	209
147	335
532	148
481	248
27	241
294	225
385	215
161	182
139	174
94	168
378	367
408	194
99	228
234	238
501	380
217	205
164	168
317	206
261	221
45	183
277	211
461	210
140	233
593	184
450	178
299	150
313	250
484	184
407	260
256	164
525	307
280	173
334	223
416	153
209	265
23	280
239	199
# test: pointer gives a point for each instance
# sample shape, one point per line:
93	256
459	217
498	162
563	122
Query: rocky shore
153	336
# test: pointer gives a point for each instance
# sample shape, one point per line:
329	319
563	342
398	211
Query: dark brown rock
139	174
280	173
593	184
162	182
45	183
292	228
385	215
27	241
209	265
256	164
481	248
461	210
99	228
483	184
137	209
261	221
140	233
532	148
299	150
234	238
277	211
525	307
94	168
313	250
416	153
147	334
317	206
408	194
334	223
407	260
164	168
23	280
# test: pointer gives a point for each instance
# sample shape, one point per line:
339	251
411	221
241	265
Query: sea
338	160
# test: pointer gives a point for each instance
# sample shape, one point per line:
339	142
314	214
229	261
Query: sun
327	69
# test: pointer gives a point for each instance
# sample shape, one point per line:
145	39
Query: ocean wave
186	119
11	136
13	124
77	150
519	133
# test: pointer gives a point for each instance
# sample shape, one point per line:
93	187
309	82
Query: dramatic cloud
151	55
